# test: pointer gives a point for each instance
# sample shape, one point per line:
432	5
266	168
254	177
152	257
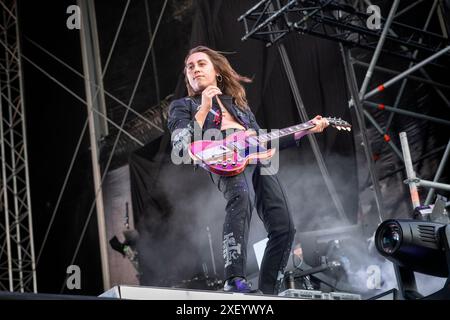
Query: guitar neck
285	132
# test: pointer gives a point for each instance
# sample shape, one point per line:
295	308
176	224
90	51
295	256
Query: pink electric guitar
230	156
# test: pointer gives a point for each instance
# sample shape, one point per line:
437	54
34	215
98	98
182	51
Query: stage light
416	246
413	244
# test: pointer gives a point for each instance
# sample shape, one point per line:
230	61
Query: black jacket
182	117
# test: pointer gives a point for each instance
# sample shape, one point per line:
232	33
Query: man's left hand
321	124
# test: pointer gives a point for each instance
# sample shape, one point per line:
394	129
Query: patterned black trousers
272	208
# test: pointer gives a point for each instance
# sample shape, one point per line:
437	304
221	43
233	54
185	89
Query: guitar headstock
339	124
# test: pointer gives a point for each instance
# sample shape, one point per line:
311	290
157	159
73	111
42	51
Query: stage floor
157	293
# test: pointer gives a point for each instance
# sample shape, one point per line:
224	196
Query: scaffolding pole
396	72
92	70
386	137
353	89
412	180
399	77
312	139
432	184
382	107
377	52
17	257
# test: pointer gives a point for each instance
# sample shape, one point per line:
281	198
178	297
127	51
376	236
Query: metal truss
19	268
345	21
365	99
17	259
338	20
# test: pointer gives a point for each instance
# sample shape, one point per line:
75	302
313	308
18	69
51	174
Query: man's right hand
206	105
207	95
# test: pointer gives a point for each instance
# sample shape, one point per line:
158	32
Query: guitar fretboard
284	132
253	140
280	133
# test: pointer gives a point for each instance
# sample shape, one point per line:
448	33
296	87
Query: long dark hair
231	80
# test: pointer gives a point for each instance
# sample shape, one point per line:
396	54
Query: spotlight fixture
415	246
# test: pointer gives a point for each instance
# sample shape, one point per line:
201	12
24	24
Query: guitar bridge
217	153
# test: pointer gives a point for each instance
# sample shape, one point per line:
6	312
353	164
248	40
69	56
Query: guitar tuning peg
349	129
338	127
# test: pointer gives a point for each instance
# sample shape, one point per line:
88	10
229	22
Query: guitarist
217	100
